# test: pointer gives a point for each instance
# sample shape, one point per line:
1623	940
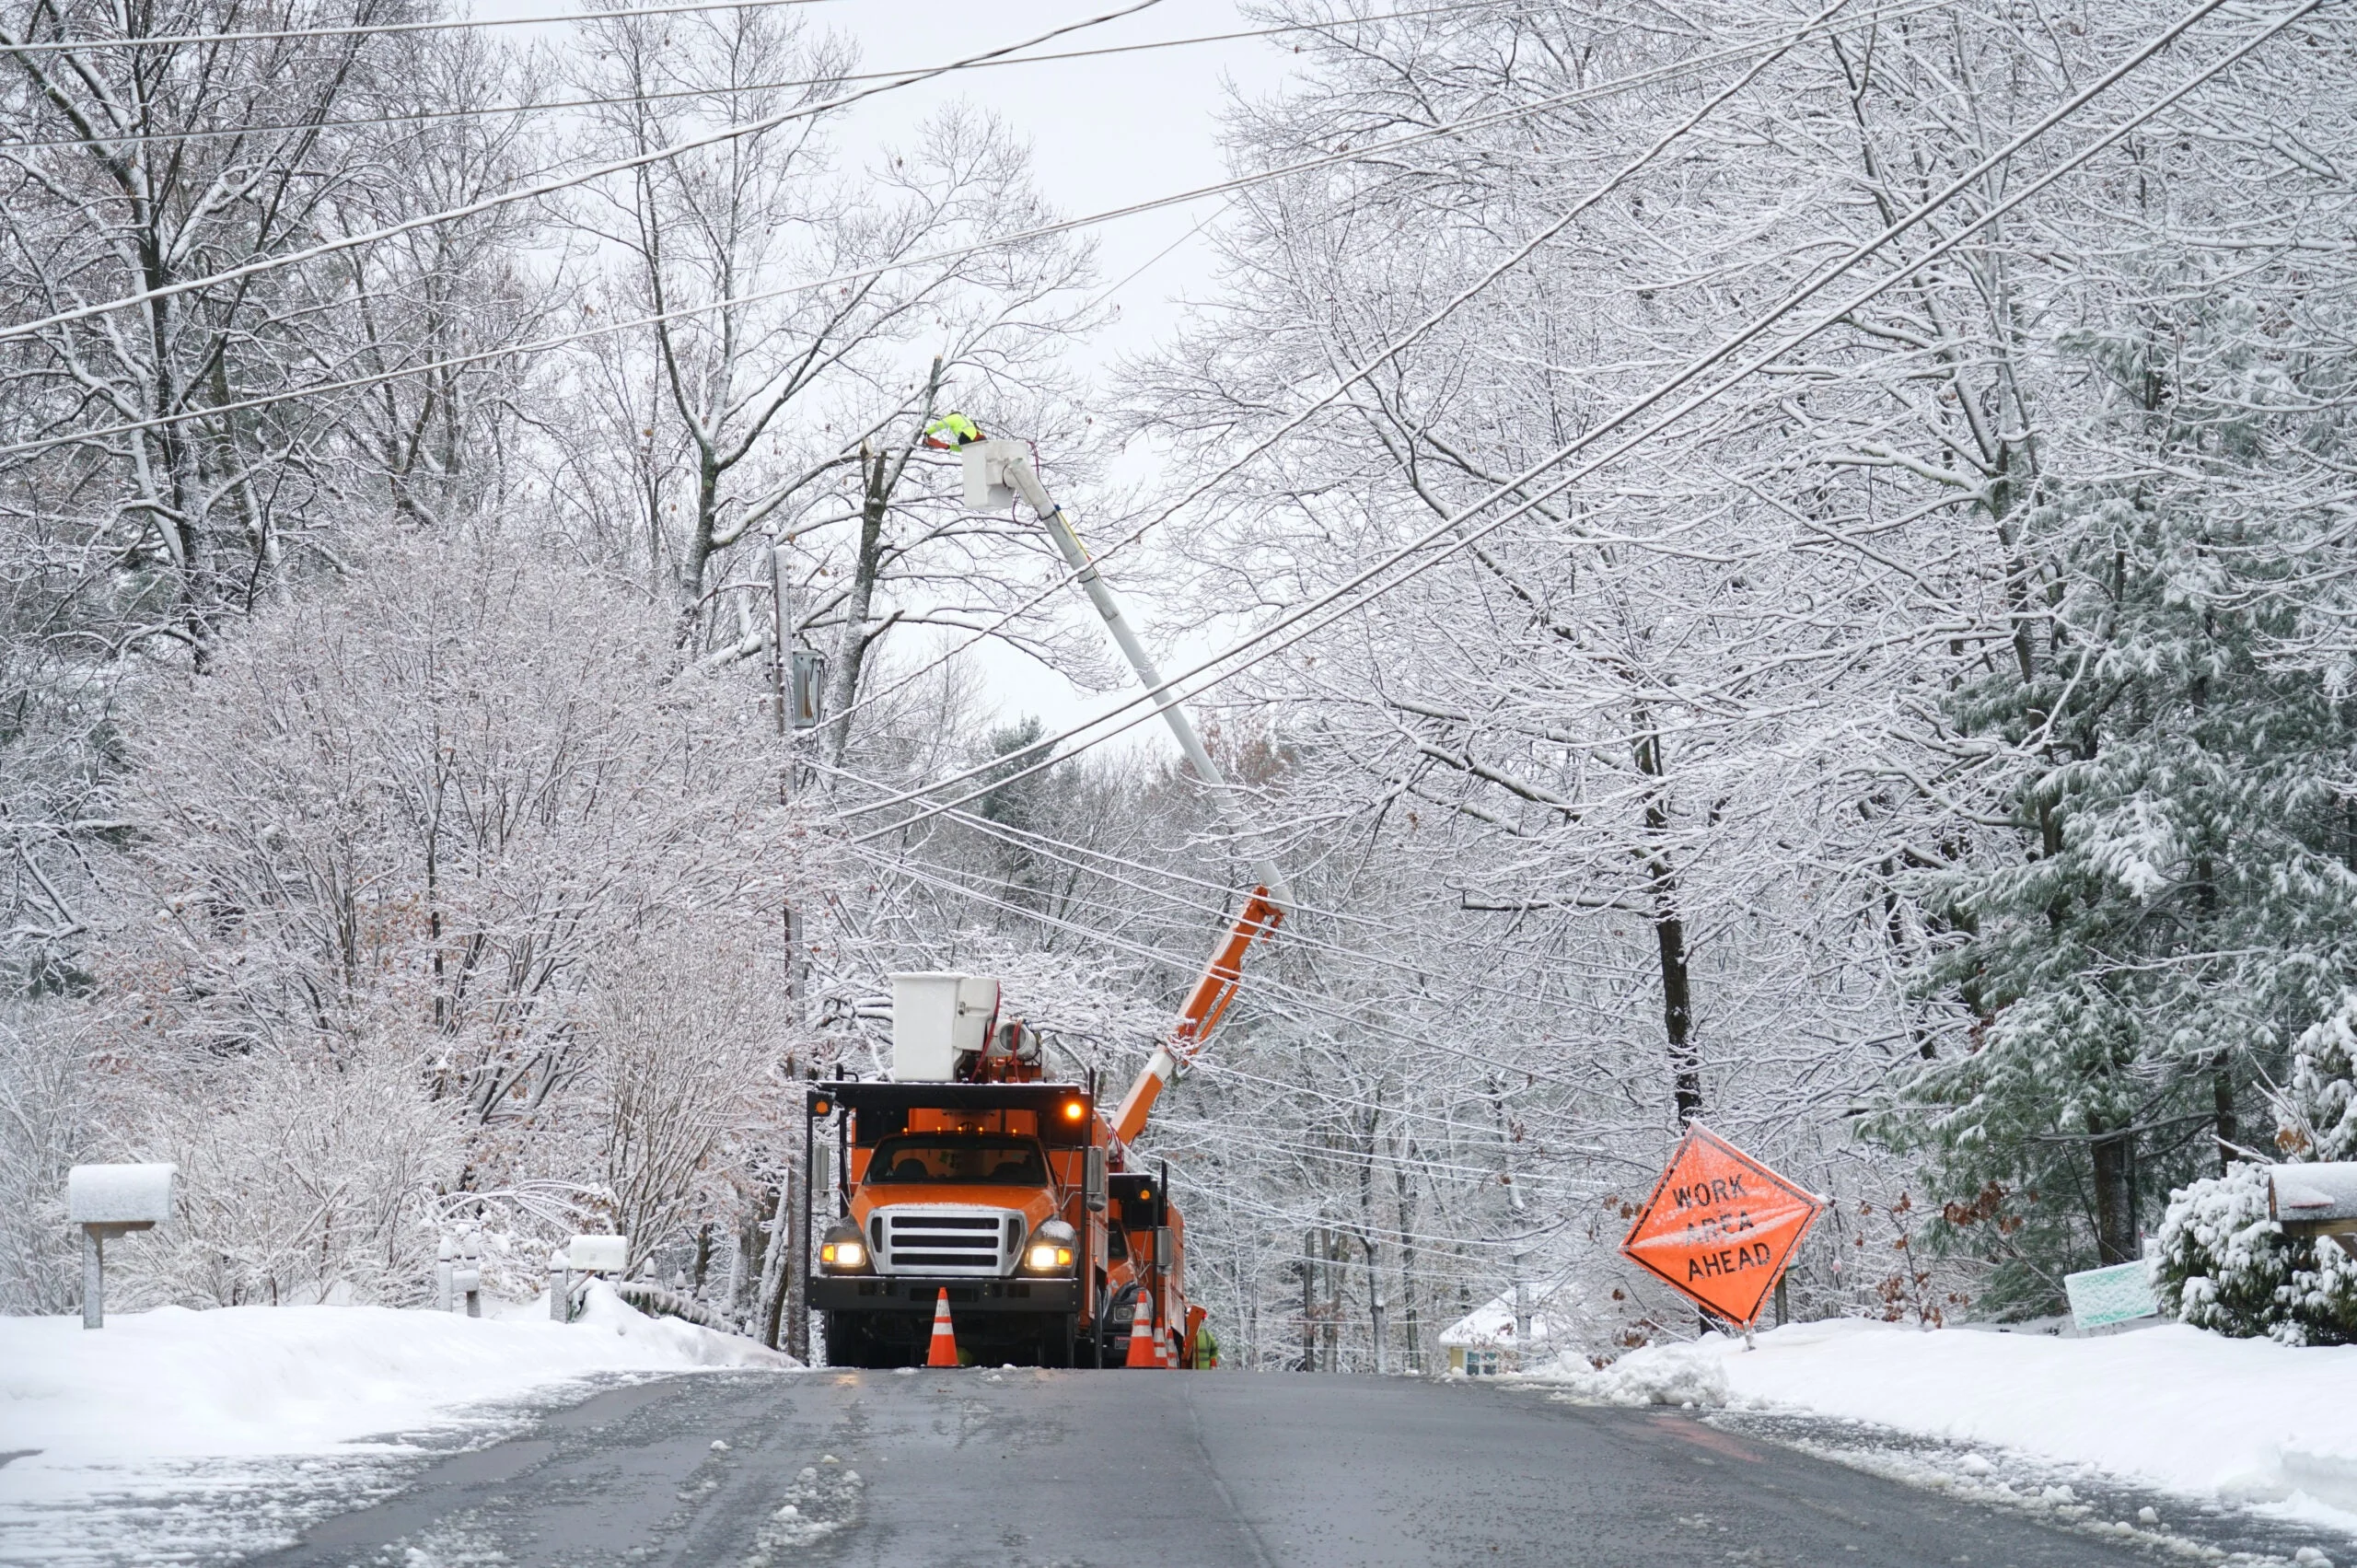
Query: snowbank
299	1380
2240	1420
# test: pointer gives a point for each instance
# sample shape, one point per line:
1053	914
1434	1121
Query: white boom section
997	471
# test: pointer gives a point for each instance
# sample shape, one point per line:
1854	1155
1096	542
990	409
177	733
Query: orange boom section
1201	1014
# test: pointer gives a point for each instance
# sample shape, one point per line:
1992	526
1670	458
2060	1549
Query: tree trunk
851	647
1310	1301
1669	937
2115	1158
2222	1101
1409	1321
778	1264
1332	1310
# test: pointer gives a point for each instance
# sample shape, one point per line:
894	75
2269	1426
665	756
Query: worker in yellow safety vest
1207	1354
952	429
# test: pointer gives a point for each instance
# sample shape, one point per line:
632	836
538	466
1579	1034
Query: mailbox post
458	1273
572	1267
108	1200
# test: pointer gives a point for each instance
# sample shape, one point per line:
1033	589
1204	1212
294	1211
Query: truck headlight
843	1251
1052	1249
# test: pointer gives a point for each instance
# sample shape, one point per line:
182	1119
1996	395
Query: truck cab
969	1173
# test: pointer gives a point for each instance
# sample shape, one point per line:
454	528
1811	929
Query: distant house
1483	1343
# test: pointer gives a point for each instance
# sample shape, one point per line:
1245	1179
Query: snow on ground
174	1435
2191	1412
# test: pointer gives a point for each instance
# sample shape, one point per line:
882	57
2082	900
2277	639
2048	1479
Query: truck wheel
1056	1342
847	1340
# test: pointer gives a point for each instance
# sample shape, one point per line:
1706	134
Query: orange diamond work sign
1720	1225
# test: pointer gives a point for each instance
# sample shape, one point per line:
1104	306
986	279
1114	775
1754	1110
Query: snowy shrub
2224	1266
387	863
302	1181
45	1127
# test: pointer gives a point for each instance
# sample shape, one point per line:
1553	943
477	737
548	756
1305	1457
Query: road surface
1152	1470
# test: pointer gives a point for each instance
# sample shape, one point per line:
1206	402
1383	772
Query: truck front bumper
917	1293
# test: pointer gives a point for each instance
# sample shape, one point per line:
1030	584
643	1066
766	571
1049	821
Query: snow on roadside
141	1420
2191	1413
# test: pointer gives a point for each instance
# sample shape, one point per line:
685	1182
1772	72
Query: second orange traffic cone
943	1352
1142	1336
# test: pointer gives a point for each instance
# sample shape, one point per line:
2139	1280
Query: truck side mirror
1092	1182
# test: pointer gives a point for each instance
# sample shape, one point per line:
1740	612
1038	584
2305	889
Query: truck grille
908	1239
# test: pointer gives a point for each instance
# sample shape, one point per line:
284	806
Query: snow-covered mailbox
108	1201
458	1273
2314	1200
578	1261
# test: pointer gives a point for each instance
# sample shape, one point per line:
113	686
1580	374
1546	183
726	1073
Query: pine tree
2174	909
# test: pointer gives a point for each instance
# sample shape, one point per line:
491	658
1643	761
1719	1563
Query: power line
371	30
547	187
718	90
1290	934
1391	350
927	874
1045	845
484	356
935	876
1457	520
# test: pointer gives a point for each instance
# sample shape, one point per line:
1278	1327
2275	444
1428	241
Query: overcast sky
1104	133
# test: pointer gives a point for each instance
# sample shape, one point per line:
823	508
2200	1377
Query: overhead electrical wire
1047	847
935	876
606	329
2102	142
535	192
1294	936
1775	48
1304	1146
1175	686
724	89
942	878
372	29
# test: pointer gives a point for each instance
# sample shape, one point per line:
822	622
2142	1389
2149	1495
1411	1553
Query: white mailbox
127	1195
108	1201
936	1018
598	1254
2314	1200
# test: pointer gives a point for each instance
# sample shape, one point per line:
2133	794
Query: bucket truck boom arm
995	473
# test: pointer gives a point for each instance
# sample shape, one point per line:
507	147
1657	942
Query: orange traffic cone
943	1352
1142	1338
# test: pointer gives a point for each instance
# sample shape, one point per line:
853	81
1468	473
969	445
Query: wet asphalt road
1145	1469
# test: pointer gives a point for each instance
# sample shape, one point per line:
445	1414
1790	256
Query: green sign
2100	1297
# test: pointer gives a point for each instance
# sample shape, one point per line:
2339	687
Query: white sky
1104	133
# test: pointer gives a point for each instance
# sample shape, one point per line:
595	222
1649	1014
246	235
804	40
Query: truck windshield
1012	1162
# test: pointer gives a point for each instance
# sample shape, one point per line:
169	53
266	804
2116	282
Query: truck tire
848	1343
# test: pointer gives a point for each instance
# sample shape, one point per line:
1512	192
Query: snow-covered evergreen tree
2183	904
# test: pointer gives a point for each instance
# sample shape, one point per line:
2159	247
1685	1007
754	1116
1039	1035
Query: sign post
1719	1226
